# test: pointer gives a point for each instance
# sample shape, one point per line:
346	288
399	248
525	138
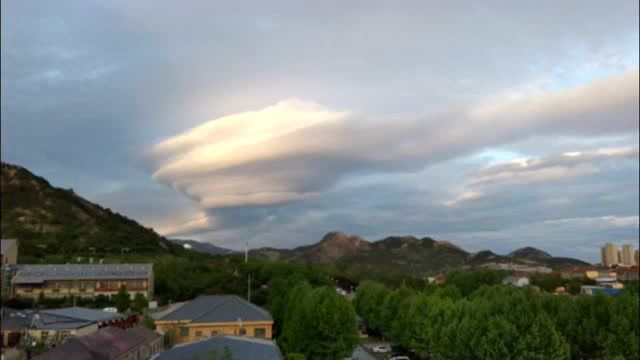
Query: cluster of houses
194	329
608	281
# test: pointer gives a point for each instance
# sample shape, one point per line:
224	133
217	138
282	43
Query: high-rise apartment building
628	255
609	254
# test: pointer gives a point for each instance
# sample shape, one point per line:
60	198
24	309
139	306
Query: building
609	255
628	255
213	315
82	280
9	249
241	348
593	290
519	281
637	257
110	343
586	273
629	273
9	257
55	326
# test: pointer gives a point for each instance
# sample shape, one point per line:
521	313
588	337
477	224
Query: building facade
82	280
609	255
628	255
9	257
9	248
216	315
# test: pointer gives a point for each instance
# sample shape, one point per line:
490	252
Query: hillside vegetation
47	218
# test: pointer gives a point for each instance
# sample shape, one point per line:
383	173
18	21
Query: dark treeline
473	318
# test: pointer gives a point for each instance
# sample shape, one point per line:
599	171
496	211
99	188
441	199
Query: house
241	348
213	315
437	280
56	325
628	274
9	257
82	280
594	289
9	251
519	281
110	343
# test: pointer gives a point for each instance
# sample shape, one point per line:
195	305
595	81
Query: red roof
106	343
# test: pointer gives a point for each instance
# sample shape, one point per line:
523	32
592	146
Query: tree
542	342
331	325
122	299
226	354
139	303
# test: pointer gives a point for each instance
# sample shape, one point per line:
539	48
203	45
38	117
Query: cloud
550	168
295	150
466	196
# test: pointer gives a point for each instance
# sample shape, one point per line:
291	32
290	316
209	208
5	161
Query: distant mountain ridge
407	254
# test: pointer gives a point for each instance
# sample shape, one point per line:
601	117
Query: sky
492	124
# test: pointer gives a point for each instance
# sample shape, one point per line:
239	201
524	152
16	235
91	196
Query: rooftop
66	318
34	274
242	348
218	308
106	343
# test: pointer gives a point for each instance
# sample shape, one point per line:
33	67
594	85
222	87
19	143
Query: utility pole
249	289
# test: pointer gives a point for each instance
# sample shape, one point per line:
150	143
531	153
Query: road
361	354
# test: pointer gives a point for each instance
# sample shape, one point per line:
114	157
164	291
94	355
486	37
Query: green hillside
50	220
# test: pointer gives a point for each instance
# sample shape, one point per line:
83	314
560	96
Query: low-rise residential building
518	267
9	251
214	315
82	280
519	281
8	258
110	343
580	273
628	274
595	289
241	348
56	325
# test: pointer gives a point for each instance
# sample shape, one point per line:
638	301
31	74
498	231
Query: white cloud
566	166
294	150
466	196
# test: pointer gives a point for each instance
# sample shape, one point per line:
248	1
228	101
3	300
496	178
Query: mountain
50	220
401	253
530	253
203	247
407	254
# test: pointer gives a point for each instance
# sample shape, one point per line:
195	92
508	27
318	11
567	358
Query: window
242	331
215	333
260	333
198	333
184	331
44	335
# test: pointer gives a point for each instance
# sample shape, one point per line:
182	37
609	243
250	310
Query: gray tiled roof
67	318
84	314
219	308
242	348
33	274
5	244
